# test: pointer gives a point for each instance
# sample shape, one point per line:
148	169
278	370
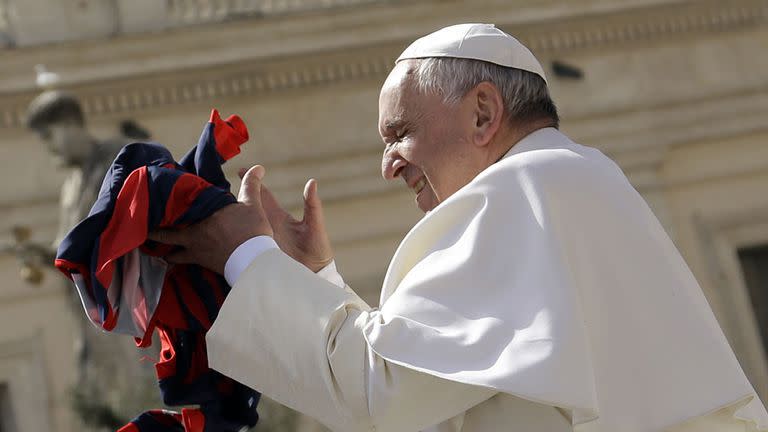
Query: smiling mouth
419	186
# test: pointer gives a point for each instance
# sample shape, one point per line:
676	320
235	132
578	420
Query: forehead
398	82
401	74
398	97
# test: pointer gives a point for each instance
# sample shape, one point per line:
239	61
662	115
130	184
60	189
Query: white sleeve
244	254
300	340
330	274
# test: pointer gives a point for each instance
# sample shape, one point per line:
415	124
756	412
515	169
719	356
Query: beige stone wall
716	190
675	91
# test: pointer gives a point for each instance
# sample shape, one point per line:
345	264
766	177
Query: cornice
638	141
649	24
107	98
362	60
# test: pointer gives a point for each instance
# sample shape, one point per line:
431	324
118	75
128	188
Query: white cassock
544	296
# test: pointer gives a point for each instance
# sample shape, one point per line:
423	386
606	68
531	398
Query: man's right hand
210	242
304	240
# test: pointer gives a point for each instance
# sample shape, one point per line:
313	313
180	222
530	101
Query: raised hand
304	240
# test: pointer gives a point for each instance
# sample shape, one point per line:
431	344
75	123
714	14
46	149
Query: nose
391	163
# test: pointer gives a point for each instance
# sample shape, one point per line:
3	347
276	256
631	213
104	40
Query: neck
512	136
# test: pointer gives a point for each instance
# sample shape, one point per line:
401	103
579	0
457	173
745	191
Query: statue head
58	118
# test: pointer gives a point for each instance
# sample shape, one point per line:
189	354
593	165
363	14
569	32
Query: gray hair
525	94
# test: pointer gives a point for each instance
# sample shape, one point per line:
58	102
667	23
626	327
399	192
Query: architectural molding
649	24
247	74
144	95
22	369
718	239
637	140
192	12
623	134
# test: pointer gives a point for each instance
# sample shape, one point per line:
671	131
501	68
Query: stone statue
111	383
58	118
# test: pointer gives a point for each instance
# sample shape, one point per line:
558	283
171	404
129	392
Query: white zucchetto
475	41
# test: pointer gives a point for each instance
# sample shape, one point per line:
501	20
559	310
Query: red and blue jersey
125	287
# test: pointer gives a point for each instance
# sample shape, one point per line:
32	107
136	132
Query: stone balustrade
187	12
21	24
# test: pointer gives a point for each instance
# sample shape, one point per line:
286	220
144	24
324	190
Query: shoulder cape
549	278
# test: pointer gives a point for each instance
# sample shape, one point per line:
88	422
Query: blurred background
675	91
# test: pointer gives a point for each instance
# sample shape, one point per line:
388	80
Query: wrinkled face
426	140
69	142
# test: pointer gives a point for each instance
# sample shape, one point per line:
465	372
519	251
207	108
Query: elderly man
538	293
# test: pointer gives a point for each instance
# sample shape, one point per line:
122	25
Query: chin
426	204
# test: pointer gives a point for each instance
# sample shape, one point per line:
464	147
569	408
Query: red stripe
69	267
168	312
126	230
194	420
184	192
192	300
229	135
166	366
199	363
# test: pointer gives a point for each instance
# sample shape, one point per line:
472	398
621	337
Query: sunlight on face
425	139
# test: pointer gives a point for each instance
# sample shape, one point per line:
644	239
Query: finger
250	187
168	237
241	172
313	207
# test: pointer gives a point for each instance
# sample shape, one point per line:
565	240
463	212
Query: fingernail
259	171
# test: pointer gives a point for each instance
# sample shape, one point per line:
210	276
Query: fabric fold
548	278
126	288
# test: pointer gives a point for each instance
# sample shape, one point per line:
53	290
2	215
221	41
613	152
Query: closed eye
395	129
400	135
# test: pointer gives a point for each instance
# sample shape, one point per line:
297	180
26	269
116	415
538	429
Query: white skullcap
475	41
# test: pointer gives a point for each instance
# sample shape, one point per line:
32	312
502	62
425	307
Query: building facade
675	91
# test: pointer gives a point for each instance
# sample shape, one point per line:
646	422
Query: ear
488	112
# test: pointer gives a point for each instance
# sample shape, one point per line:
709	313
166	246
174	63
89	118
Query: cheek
446	165
424	149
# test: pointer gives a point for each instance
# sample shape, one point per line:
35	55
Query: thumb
250	187
313	207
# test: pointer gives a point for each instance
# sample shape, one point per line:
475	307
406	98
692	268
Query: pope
538	293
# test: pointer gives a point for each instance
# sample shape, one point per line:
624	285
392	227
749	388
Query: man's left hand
210	242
